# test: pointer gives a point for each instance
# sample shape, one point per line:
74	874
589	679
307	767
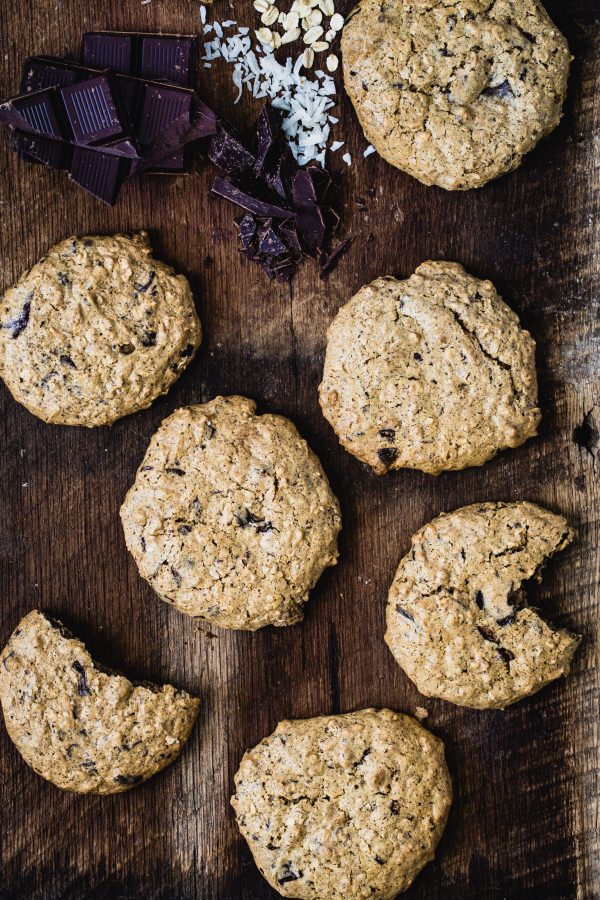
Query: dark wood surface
525	820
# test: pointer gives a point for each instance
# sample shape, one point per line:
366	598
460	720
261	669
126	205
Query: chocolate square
162	106
168	57
40	73
129	91
38	111
109	50
99	173
37	149
92	110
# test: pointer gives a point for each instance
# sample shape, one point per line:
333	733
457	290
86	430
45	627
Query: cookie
82	727
432	373
344	807
458	618
231	518
456	93
96	330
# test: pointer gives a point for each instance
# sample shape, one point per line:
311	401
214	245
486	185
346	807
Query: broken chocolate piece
228	153
223	188
387	455
309	219
82	685
268	242
268	137
19	324
500	90
288	874
128	780
247	228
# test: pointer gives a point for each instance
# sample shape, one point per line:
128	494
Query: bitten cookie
344	807
97	329
458	619
82	727
456	93
432	373
231	517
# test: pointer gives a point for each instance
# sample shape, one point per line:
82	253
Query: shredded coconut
305	100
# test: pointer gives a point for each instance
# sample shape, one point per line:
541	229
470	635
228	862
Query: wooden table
525	820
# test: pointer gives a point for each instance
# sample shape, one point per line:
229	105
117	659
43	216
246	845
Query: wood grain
526	817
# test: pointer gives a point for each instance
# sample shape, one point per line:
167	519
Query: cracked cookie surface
231	517
431	373
344	807
80	726
458	622
96	330
455	93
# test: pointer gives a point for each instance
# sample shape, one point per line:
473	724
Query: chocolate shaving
223	188
331	261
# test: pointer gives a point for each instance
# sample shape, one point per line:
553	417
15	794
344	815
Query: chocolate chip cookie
80	726
457	93
231	517
431	373
97	329
458	616
344	807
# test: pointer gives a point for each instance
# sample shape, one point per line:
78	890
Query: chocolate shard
169	57
92	110
321	180
99	173
309	219
43	72
247	226
108	50
330	261
268	137
289	233
281	174
228	153
268	241
223	188
502	90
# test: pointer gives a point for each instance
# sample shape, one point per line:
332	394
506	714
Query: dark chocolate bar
112	117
